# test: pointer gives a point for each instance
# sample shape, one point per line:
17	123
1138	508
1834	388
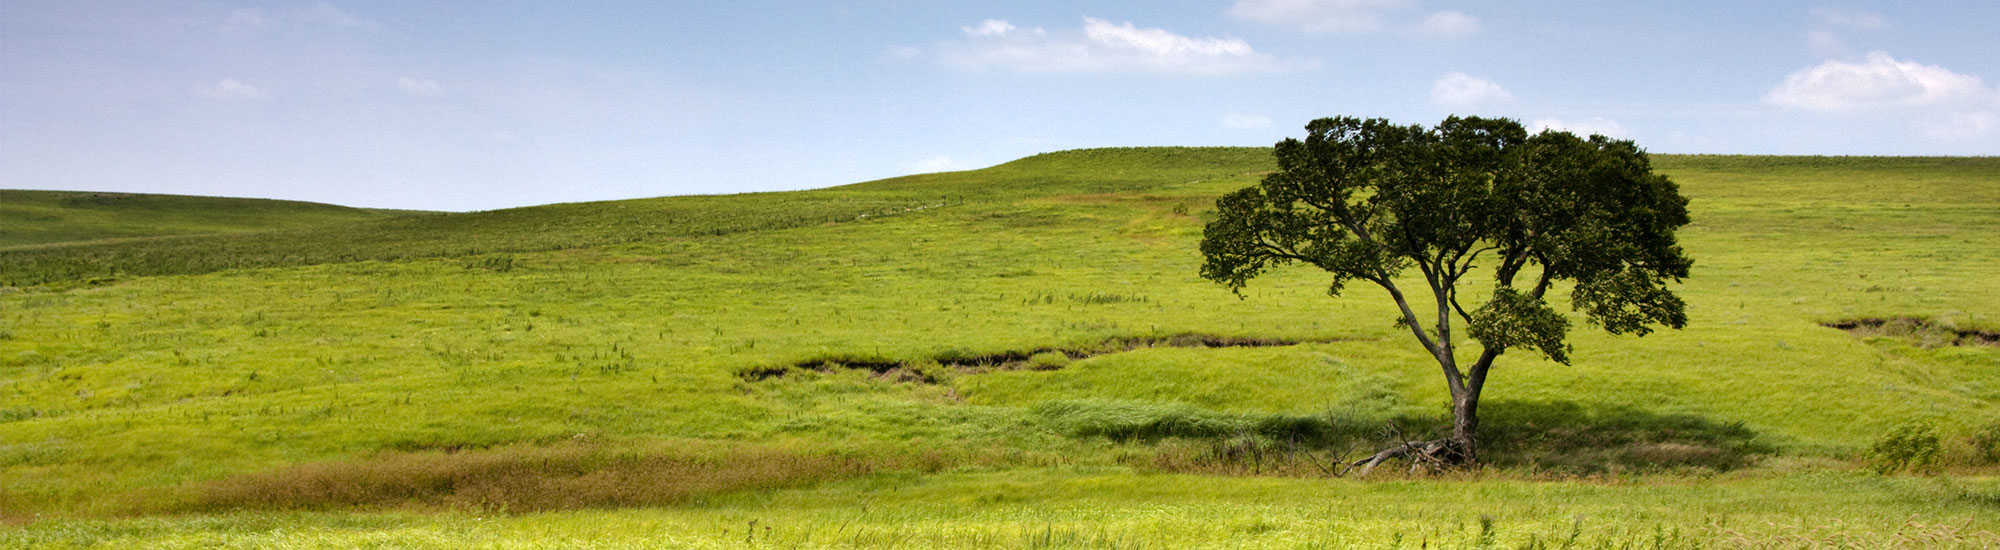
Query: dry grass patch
527	479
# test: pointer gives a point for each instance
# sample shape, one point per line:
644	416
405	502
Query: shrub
1912	446
1986	442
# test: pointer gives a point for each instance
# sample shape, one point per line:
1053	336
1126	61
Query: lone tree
1366	200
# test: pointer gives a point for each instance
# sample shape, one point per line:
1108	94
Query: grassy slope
44	217
582	225
126	393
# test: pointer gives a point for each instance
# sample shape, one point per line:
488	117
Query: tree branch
1409	316
1542	285
1451	373
1461	309
1283	252
1445	349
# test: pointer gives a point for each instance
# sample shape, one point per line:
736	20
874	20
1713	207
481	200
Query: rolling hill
45	217
1020	356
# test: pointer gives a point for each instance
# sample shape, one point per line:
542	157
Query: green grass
45	217
1042	508
474	350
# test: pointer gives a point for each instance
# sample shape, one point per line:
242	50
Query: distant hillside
43	217
589	224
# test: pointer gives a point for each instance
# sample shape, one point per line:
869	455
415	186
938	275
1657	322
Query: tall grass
532	478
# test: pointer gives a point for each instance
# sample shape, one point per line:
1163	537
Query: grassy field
44	217
1015	357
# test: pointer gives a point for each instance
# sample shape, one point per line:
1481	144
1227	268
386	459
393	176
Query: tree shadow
1589	438
1561	437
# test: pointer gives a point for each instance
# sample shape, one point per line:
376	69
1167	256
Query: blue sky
480	105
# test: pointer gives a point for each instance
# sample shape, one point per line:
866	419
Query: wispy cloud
329	14
1961	125
990	27
1464	90
1237	121
229	88
1822	39
1318	15
245	20
937	163
420	86
322	14
1450	24
1824	42
1592	126
1104	46
1852	18
1354	16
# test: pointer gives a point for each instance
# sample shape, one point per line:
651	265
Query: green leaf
1515	320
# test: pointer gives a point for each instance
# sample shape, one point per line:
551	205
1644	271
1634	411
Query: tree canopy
1367	200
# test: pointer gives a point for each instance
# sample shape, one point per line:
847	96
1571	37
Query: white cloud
1936	102
1879	81
1246	122
1595	125
1450	24
1159	43
229	88
420	86
1318	15
939	163
1850	17
1103	46
327	13
1464	90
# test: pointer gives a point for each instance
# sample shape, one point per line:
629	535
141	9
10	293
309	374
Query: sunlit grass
451	347
1123	509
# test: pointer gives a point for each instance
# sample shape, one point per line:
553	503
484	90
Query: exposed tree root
1433	455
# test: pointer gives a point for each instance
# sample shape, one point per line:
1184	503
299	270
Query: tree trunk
1461	448
1464	442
